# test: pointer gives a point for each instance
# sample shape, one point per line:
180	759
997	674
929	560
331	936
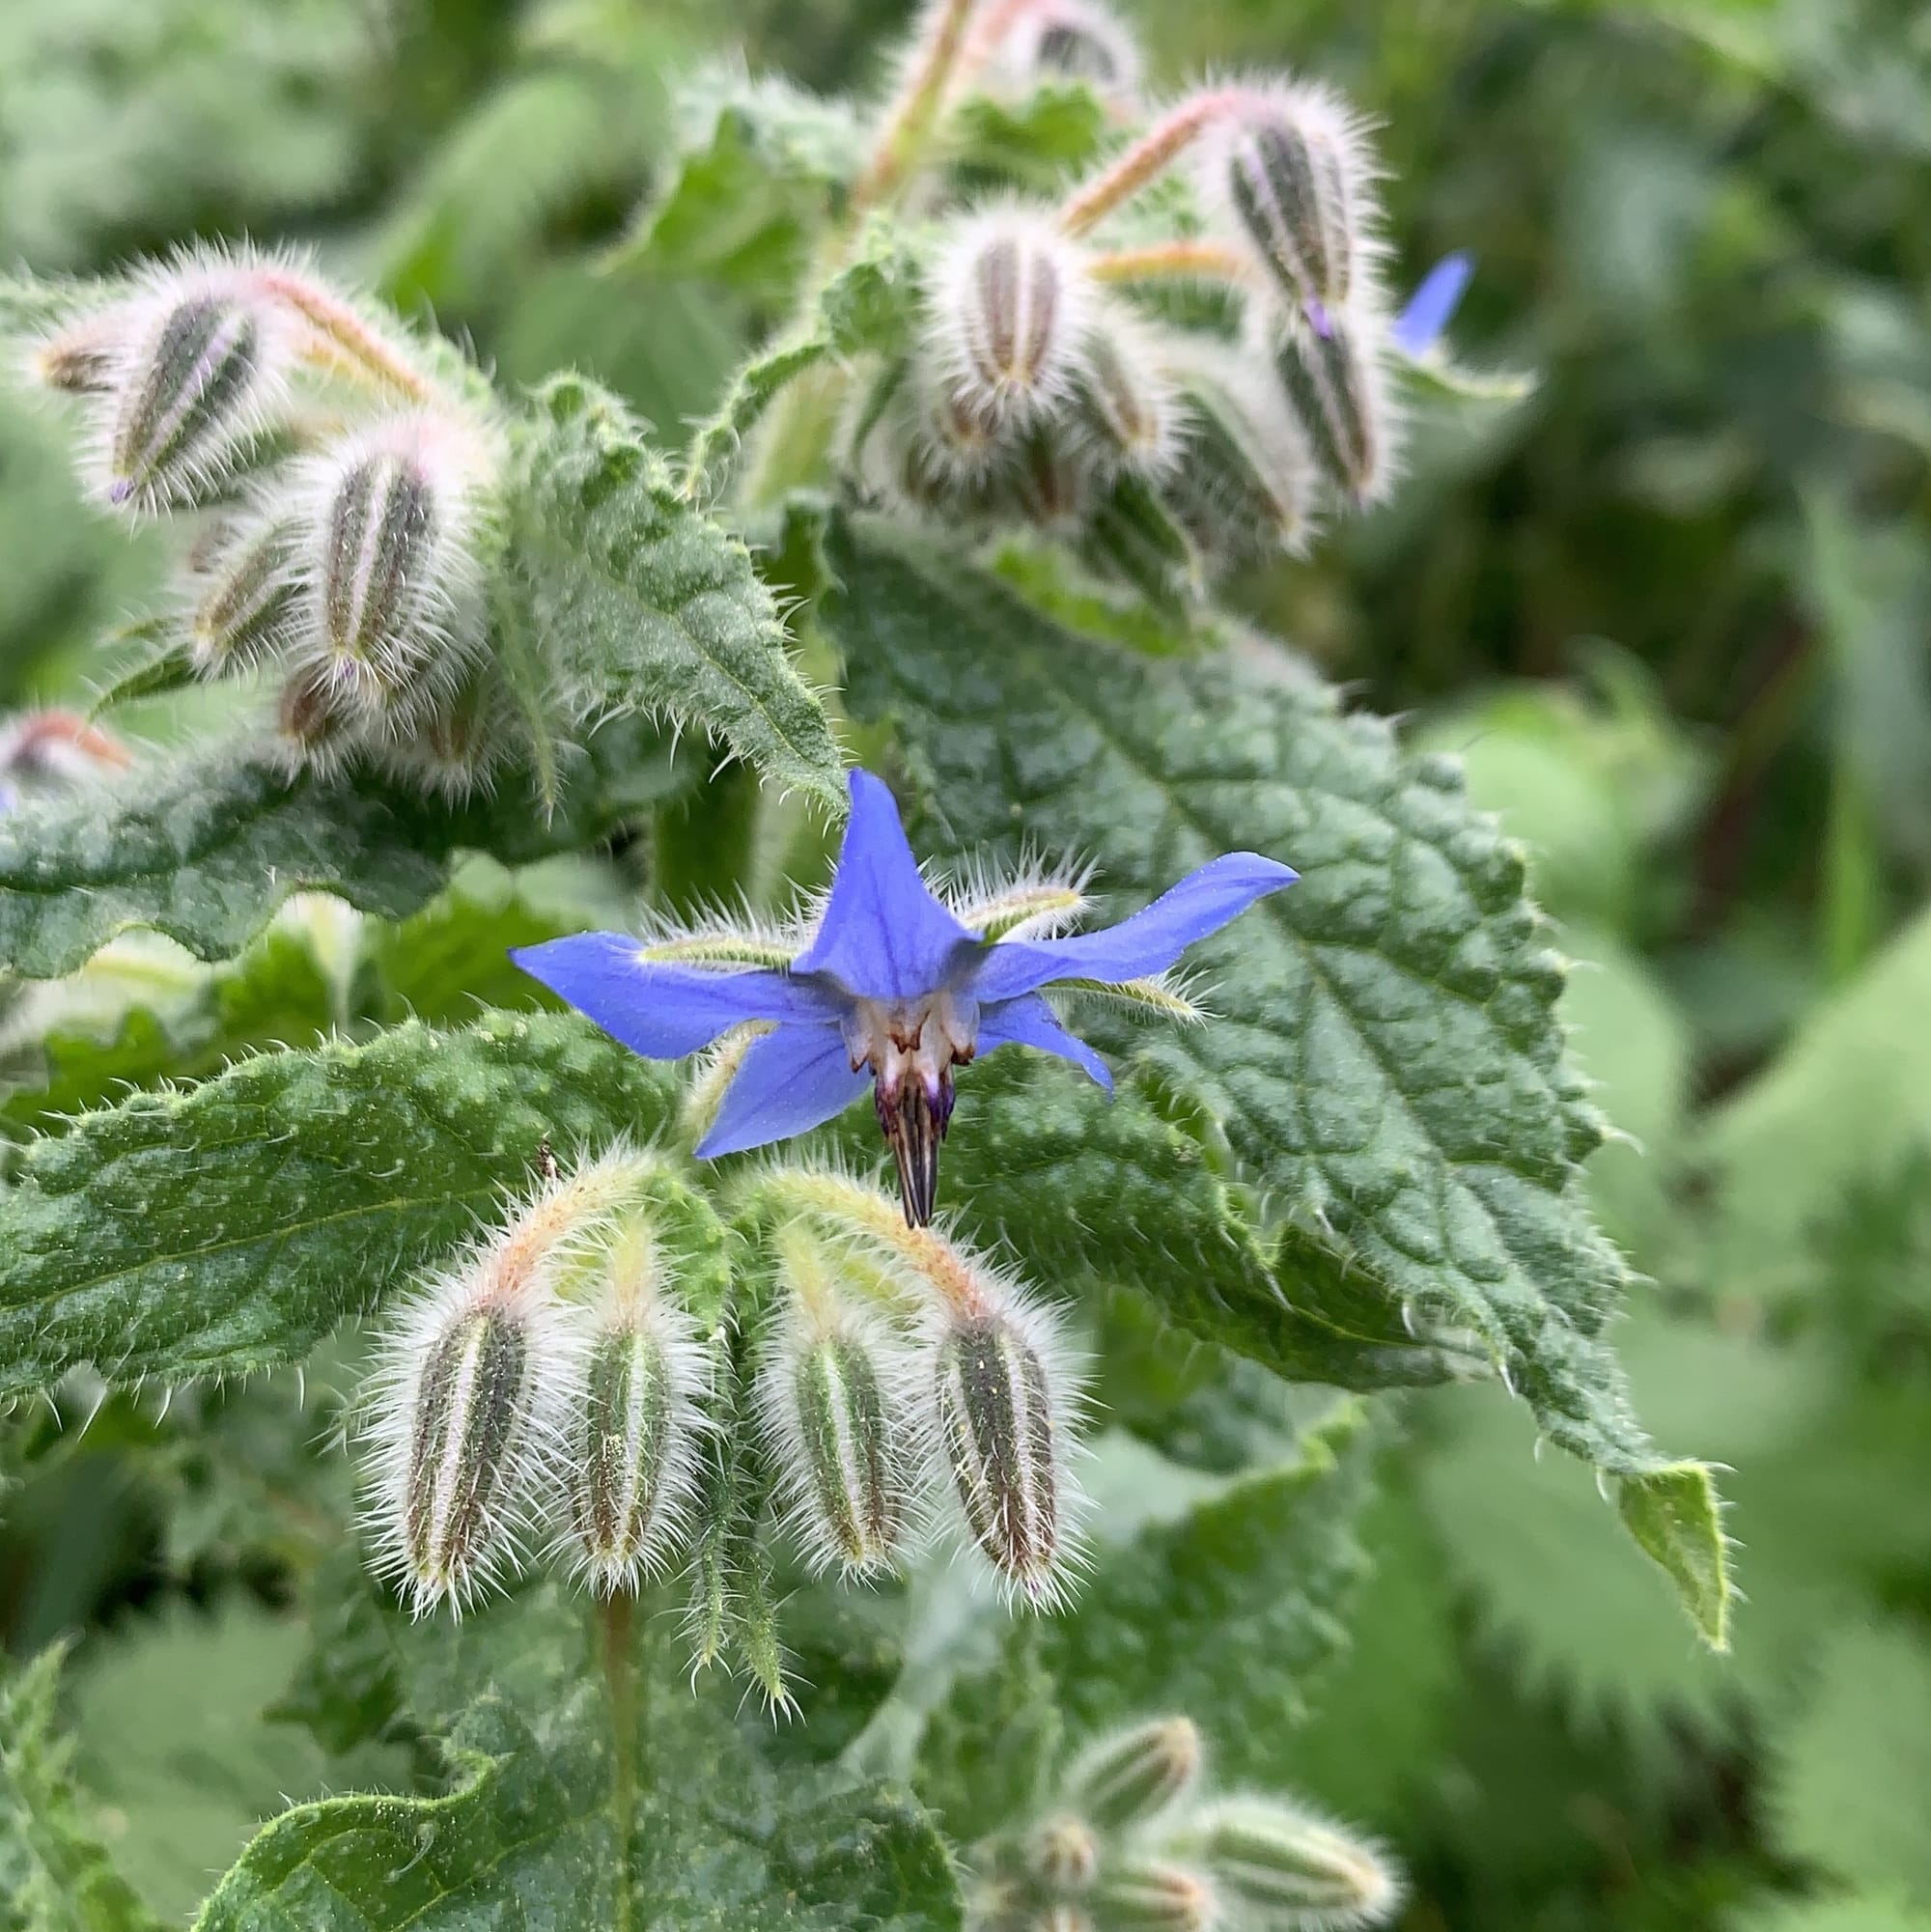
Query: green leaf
1227	1612
1391	1063
54	1876
1851	1767
205	850
1121	1196
761	167
1861	1914
867	308
583	1798
224	1228
1040	143
646	607
170	1734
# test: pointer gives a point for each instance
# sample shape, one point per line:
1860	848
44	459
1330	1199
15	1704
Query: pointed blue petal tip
1432	307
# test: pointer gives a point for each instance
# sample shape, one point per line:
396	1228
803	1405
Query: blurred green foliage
1673	608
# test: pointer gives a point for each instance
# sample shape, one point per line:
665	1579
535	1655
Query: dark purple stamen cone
915	1121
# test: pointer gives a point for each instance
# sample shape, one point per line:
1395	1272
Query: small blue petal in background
1432	307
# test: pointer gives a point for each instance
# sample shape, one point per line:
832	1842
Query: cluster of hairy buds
555	1391
1173	381
335	496
1131	1842
909	1391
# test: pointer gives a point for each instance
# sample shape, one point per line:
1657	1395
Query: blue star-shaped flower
893	990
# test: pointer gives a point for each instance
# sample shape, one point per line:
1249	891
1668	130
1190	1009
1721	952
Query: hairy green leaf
589	1796
54	1876
230	1226
1388	1062
642	604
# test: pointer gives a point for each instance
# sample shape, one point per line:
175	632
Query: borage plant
662	1373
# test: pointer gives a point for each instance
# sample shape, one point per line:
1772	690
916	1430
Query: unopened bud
1288	1868
1064	1917
1136	1774
185	393
79	359
1334	383
1126	399
388	531
632	1437
314	730
1075	40
1007	317
1002	1420
1064	1854
1131	534
458	746
1245	483
830	1391
1294	171
1050	480
1153	1896
245	598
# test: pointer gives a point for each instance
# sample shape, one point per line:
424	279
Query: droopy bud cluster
545	1383
336	498
1131	1844
909	1388
1182	365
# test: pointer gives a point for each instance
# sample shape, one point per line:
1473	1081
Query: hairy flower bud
631	1437
476	1378
244	598
388	524
1294	172
196	366
1126	398
1000	1409
458	746
1136	1774
1153	1896
831	1391
1245	483
1334	383
1063	1853
1006	319
312	729
1287	1866
79	359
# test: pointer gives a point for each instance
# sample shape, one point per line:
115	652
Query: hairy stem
1170	262
1150	156
343	336
620	1687
910	121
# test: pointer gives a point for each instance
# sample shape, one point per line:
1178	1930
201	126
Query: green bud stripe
470	1413
623	1445
1276	1863
1154	1898
995	1417
1326	383
1116	400
1293	197
1065	1854
1132	1776
242	613
1226	486
846	1431
197	377
379	527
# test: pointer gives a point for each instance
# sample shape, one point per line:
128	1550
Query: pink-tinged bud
198	366
631	1435
1293	171
1154	1895
1063	1853
56	749
79	359
388	524
1136	1774
1283	1865
1074	40
1335	382
1002	1404
1007	315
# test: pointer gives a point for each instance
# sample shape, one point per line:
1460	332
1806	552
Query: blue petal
1029	1022
883	935
788	1082
1149	942
662	1011
1432	306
